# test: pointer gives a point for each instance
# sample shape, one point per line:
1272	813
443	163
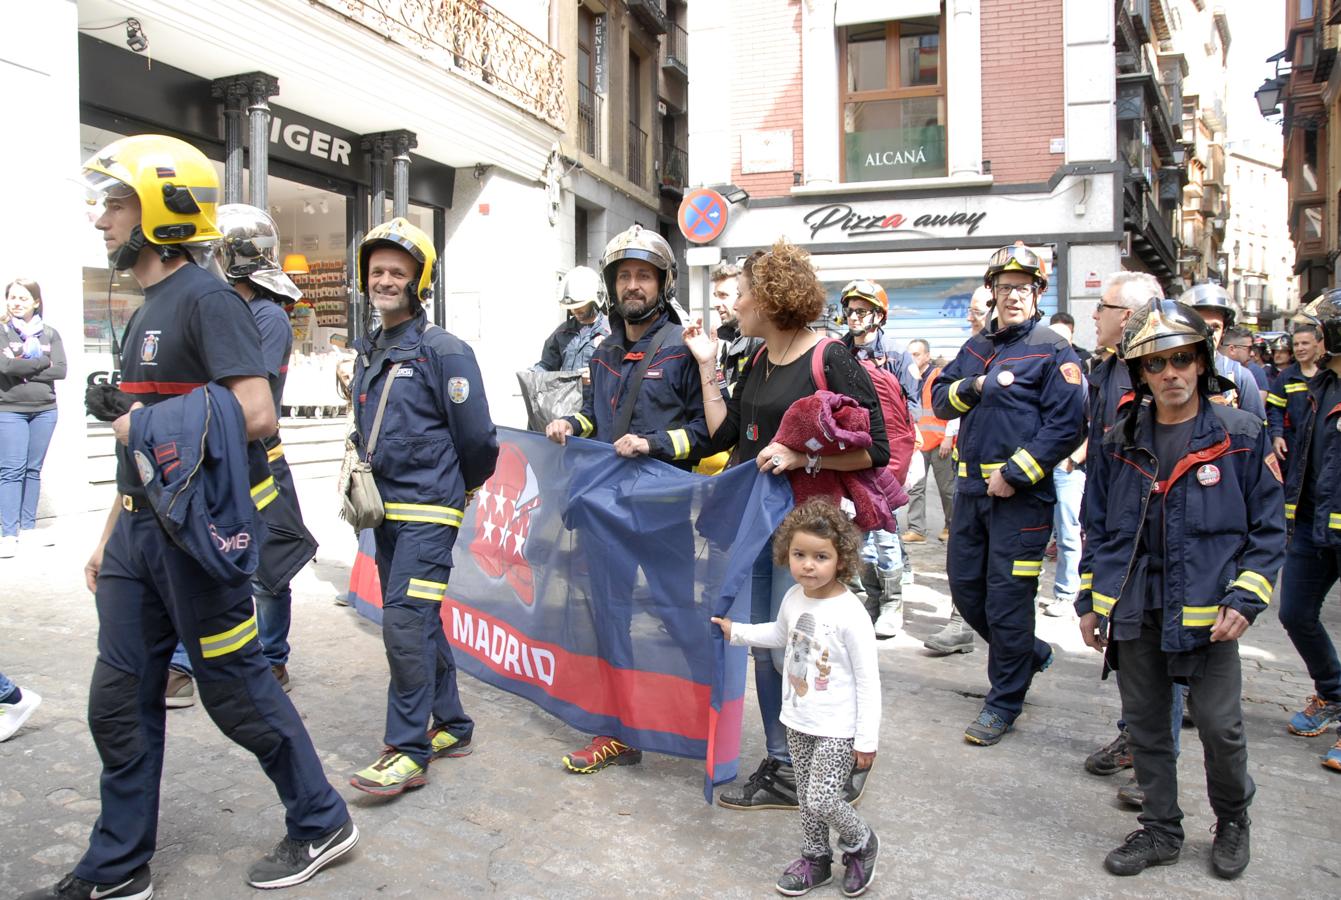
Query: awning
857	12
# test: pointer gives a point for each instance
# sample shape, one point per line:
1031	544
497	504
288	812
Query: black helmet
1017	258
1209	296
1326	311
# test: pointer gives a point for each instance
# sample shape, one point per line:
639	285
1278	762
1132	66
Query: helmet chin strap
647	314
125	256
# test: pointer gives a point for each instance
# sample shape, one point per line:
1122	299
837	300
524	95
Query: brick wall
1022	94
766	81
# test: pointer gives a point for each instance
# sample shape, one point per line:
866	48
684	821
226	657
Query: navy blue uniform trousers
149	593
414	561
994	559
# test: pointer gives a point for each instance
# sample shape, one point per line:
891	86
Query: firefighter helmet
177	187
639	243
1326	311
1207	296
581	286
249	249
1017	258
402	235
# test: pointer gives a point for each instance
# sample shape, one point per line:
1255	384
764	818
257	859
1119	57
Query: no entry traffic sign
703	214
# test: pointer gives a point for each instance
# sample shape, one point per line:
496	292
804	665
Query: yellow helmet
178	190
402	235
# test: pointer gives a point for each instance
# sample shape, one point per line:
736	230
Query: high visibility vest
932	428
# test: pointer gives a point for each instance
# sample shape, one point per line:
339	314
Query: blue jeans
6	686
1309	574
24	438
884	549
274	612
1070	488
770	584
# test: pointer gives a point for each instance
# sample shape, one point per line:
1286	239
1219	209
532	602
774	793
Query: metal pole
376	145
233	92
404	142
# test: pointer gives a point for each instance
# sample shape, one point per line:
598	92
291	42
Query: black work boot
1229	850
1141	849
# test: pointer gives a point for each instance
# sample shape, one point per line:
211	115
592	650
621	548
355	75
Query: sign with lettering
892	154
601	53
313	144
853	224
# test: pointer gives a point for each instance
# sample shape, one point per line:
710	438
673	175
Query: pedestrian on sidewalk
831	698
1313	511
780	295
1177	581
424	426
159	200
32	360
1017	387
15	707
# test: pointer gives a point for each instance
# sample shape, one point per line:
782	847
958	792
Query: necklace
769	366
752	428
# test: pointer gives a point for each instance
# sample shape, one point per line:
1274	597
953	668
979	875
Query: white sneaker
1059	609
9	546
13	715
890	622
38	537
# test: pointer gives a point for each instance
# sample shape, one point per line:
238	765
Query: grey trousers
1214	701
944	472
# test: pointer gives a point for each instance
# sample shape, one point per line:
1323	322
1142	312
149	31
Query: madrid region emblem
149	349
503	522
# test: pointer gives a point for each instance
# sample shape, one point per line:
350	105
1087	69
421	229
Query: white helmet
581	286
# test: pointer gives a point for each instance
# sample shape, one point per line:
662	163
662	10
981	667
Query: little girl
831	691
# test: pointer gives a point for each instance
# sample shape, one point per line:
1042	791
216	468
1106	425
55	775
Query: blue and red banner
584	581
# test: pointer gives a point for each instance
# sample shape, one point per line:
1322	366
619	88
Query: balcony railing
651	13
677	51
474	39
589	120
637	159
674	169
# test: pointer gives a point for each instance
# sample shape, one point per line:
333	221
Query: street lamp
1268	97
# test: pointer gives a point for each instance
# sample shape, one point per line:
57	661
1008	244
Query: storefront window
894	102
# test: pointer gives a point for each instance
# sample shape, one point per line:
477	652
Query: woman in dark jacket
32	359
780	295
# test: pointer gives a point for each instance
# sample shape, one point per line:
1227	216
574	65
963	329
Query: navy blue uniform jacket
1224	524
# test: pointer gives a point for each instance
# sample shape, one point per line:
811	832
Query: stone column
233	92
821	143
260	88
403	142
379	149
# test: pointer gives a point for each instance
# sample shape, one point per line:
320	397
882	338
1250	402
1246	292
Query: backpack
899	426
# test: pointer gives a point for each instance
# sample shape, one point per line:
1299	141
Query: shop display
325	287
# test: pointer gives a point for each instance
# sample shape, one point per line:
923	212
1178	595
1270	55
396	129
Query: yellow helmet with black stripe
177	187
402	235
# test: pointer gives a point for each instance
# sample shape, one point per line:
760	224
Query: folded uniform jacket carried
827	424
192	454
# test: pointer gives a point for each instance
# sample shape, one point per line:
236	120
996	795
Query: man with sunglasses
1018	388
1186	533
1237	344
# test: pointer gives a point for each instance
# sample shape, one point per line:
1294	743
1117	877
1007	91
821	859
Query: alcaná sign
893	154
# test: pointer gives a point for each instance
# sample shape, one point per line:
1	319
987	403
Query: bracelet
711	399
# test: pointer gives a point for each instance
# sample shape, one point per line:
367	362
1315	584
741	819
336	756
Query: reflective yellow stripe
264	493
1027	568
1087	581
587	427
1289	511
963	470
1025	460
679	442
423	589
985	470
1276	400
274	452
420	512
1103	604
1295	387
228	641
1251	581
1334	520
1199	616
954	397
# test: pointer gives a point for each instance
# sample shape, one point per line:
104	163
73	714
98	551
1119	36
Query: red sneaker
601	752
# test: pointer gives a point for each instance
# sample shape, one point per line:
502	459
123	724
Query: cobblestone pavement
1020	820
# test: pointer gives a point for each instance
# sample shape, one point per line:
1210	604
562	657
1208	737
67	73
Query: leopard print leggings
822	765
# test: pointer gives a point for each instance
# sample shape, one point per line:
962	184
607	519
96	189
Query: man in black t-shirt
159	198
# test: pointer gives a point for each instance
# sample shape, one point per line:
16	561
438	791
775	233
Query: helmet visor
1015	258
98	186
276	282
865	290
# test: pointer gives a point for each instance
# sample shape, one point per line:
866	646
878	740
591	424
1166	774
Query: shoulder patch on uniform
1071	372
458	388
1273	465
144	467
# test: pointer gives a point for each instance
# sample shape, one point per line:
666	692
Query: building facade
894	142
1259	251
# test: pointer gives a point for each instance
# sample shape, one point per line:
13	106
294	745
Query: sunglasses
859	313
1181	360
